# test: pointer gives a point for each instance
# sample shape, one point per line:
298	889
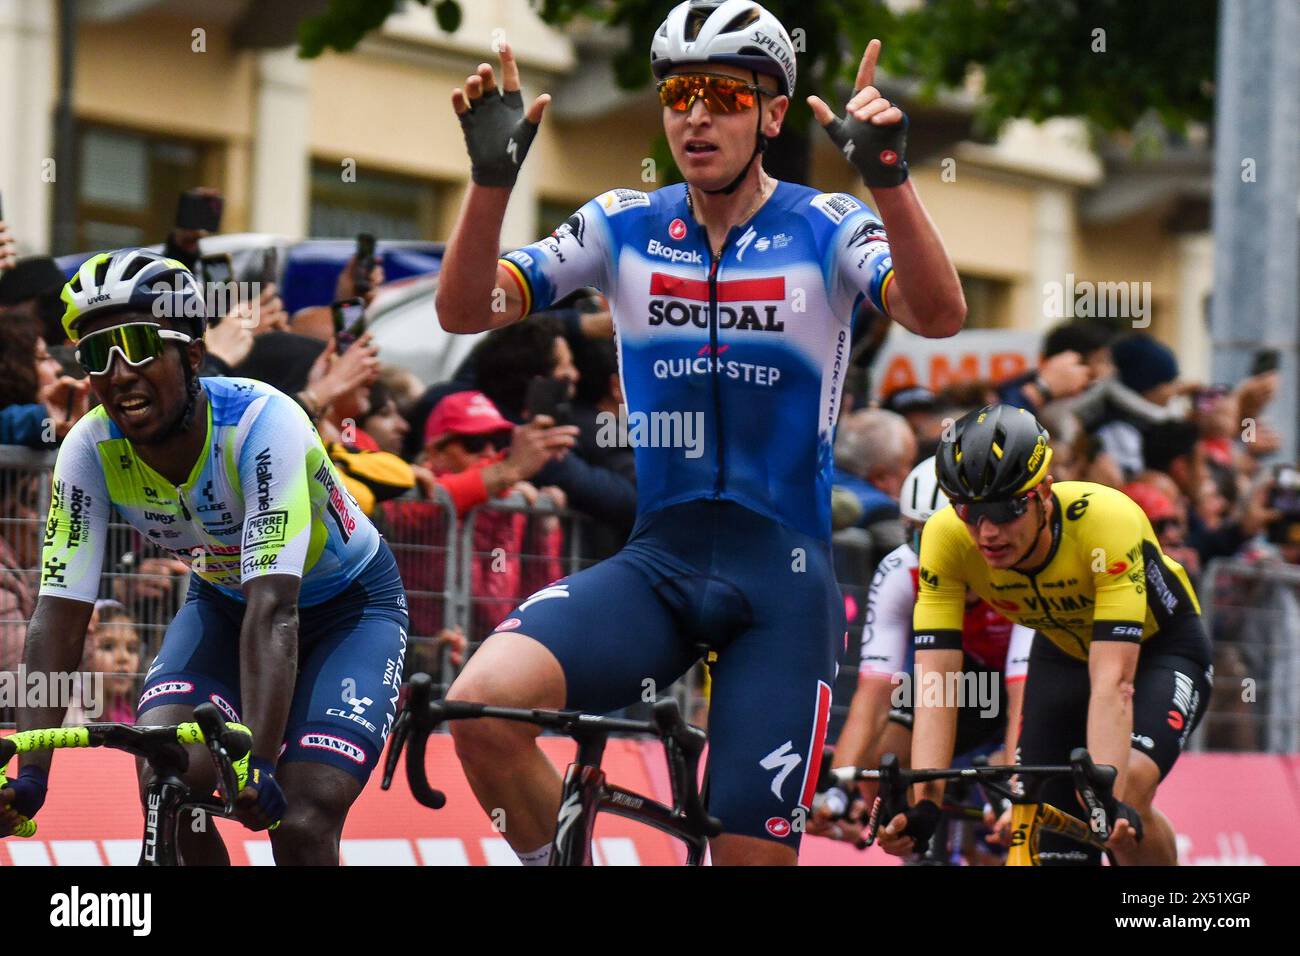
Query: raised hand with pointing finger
497	131
873	134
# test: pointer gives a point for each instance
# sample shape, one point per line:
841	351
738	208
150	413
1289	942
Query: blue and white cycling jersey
732	369
263	498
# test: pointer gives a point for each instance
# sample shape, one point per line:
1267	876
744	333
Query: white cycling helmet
738	32
133	280
921	495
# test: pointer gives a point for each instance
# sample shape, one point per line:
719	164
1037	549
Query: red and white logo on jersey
778	827
677	229
509	624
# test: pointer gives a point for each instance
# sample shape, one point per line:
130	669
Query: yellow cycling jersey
1105	579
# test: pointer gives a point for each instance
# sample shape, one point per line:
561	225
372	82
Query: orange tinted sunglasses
721	94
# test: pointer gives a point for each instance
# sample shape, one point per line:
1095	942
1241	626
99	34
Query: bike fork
579	803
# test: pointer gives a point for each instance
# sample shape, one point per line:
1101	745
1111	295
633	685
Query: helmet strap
186	417
1038	532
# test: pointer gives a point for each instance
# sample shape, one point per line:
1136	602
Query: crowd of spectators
1120	413
422	456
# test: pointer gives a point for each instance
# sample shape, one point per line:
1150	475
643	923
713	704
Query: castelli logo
677	229
509	624
888	157
778	827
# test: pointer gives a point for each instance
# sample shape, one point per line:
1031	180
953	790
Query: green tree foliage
1109	61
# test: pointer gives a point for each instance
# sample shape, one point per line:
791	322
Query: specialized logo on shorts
509	624
784	761
334	744
166	687
778	827
1146	743
224	706
677	229
550	591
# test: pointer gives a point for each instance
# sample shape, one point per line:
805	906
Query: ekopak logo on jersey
688	256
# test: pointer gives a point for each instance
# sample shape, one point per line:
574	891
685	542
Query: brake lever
684	745
396	741
891	798
1095	786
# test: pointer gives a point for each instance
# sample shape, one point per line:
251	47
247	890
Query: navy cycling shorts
350	653
762	595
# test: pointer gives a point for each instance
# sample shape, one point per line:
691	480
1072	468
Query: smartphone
270	267
66	356
548	396
1266	360
363	262
201	211
349	321
217	273
1206	398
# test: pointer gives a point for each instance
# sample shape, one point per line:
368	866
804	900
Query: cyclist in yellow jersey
1121	660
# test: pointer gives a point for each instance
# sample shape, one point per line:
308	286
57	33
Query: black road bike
162	749
586	793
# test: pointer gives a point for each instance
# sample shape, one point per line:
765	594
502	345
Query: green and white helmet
135	280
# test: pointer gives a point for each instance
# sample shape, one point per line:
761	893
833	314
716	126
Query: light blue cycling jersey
263	498
750	349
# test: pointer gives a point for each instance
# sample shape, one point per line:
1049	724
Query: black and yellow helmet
993	454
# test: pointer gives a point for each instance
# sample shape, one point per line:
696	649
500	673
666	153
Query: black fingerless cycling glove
922	821
879	153
498	136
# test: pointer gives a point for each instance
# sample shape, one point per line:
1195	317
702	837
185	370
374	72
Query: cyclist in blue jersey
295	621
733	296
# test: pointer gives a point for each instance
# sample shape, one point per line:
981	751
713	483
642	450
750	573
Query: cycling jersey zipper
719	480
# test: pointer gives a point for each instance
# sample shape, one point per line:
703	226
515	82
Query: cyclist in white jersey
733	296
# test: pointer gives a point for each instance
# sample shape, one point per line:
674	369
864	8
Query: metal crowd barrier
1252	611
466	573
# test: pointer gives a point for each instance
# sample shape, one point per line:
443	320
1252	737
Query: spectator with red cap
475	454
1168	519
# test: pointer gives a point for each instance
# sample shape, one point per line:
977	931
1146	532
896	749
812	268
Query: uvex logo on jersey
671	311
338	504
